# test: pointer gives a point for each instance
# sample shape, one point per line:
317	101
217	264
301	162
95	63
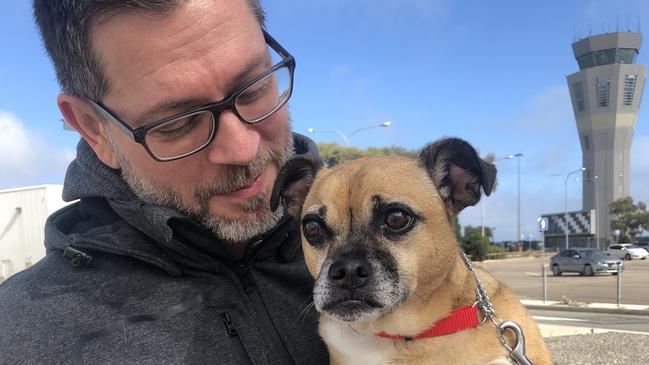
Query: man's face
158	66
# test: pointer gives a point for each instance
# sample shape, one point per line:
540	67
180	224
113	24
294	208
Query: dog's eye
312	231
398	220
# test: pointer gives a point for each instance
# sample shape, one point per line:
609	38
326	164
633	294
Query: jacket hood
110	218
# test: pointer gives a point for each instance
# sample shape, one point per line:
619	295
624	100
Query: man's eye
256	91
178	128
173	129
398	220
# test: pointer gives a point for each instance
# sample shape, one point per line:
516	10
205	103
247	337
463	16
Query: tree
474	244
488	233
333	154
630	218
458	229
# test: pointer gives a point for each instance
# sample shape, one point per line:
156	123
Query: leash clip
516	354
487	312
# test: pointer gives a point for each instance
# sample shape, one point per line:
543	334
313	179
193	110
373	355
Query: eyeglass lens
182	136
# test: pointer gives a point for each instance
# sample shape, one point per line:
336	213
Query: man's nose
235	143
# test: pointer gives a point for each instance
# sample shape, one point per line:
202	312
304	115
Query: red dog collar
459	319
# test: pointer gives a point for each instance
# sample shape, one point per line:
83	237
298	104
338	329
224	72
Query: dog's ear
458	172
293	182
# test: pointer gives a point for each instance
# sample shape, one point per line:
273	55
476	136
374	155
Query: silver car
585	261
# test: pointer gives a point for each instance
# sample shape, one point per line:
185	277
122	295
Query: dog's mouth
352	309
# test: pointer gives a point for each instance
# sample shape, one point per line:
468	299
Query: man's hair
65	27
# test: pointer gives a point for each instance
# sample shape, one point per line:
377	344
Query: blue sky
491	72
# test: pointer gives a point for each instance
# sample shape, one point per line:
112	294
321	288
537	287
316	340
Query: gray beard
259	218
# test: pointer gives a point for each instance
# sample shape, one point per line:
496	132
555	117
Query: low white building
23	212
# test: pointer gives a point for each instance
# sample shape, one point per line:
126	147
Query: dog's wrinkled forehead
358	186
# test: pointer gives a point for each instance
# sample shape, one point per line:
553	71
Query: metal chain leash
483	302
516	354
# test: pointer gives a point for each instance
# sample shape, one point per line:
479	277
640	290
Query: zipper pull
229	325
246	278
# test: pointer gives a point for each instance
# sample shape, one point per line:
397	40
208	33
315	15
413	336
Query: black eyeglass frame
216	108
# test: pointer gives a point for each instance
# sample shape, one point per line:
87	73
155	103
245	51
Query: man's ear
293	183
458	172
82	117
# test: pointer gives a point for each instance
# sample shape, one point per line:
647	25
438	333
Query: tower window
603	87
629	88
586	142
578	88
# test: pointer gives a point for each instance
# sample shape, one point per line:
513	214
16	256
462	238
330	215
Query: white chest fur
356	348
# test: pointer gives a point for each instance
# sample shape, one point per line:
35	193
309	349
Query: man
171	255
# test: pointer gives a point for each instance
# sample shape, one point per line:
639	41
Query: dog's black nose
350	273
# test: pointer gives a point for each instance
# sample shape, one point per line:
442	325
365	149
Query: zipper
234	335
269	327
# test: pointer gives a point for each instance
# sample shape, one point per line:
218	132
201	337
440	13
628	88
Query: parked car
627	251
642	245
585	261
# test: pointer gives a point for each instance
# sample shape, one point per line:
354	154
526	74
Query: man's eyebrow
167	107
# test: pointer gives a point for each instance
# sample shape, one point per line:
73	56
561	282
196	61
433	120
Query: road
523	275
618	322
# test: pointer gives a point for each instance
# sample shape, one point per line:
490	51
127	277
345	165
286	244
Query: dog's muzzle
355	284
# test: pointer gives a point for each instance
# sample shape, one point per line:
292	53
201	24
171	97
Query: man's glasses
191	131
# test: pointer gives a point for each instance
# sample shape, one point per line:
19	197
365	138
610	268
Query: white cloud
547	112
26	157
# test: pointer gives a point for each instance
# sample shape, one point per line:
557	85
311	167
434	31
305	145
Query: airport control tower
606	95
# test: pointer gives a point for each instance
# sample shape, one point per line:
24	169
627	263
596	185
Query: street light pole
565	200
348	140
518	220
594	180
382	125
597	217
313	130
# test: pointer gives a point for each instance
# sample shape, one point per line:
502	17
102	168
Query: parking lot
523	275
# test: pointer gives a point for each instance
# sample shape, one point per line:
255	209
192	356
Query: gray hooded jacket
124	282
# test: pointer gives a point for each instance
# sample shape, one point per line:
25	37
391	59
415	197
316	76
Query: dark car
585	261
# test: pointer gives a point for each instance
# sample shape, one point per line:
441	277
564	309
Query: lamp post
344	137
518	219
594	180
348	140
382	125
565	198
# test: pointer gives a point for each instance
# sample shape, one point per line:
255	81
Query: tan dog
378	236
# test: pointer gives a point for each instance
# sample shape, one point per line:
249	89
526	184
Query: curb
586	309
